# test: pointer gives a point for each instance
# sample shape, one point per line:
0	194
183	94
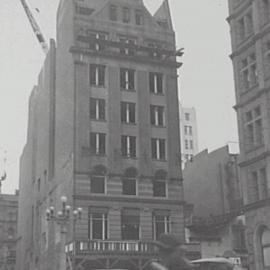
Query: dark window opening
97	184
129	186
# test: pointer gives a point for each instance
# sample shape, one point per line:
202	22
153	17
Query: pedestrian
171	254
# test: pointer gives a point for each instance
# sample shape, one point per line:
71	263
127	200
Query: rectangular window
254	187
127	46
130	224
128	146
263	184
158	149
186	144
97	75
190	131
138	17
265	10
186	130
98	225
157	115
113	13
253	128
241	29
84	10
98	143
129	186
97	184
187	116
156	83
97	109
97	41
249	72
127	79
191	145
126	15
128	112
161	224
159	188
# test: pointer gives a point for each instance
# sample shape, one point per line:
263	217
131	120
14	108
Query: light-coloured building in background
250	34
189	133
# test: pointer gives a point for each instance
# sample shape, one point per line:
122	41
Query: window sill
126	157
129	124
161	160
160	197
157	94
158	126
98	120
97	86
128	90
98	155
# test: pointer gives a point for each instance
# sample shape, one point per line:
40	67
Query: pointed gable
163	16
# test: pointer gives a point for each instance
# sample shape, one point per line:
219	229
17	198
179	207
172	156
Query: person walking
171	254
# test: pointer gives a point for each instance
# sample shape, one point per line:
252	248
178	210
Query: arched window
265	242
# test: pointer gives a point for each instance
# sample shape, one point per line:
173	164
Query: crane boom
35	27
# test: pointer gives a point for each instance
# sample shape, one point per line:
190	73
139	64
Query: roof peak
163	15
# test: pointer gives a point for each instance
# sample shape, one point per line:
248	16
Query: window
161	223
154	50
127	46
158	148
113	13
84	10
157	115
190	131
253	128
127	79
97	109
96	43
126	15
265	10
98	224
155	83
97	184
267	56
254	187
191	145
187	116
127	112
186	144
130	224
241	29
129	186
263	184
138	17
38	184
249	72
97	75
186	130
245	26
98	143
159	188
128	146
239	240
265	243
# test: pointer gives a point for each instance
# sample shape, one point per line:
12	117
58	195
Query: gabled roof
163	14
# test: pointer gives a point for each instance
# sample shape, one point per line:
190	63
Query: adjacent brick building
250	34
8	230
103	130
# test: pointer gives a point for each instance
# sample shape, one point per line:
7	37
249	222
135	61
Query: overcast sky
205	83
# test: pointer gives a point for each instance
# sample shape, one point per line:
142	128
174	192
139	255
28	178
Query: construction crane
35	27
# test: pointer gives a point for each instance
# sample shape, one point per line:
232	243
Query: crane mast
35	27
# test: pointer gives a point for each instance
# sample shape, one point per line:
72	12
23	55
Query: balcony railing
88	247
95	246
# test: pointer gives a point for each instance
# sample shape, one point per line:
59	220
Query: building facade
8	230
250	35
212	186
103	130
188	133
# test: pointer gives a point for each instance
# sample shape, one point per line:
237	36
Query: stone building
103	130
188	133
250	35
212	186
8	230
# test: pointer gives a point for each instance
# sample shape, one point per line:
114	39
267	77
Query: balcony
135	248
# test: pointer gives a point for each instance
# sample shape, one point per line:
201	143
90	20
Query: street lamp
62	218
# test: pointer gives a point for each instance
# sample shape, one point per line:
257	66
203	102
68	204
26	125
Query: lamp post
62	218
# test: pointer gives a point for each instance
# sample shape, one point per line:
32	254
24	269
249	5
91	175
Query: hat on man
168	241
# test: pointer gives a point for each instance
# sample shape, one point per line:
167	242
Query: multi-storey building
104	131
250	34
212	186
188	133
8	230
